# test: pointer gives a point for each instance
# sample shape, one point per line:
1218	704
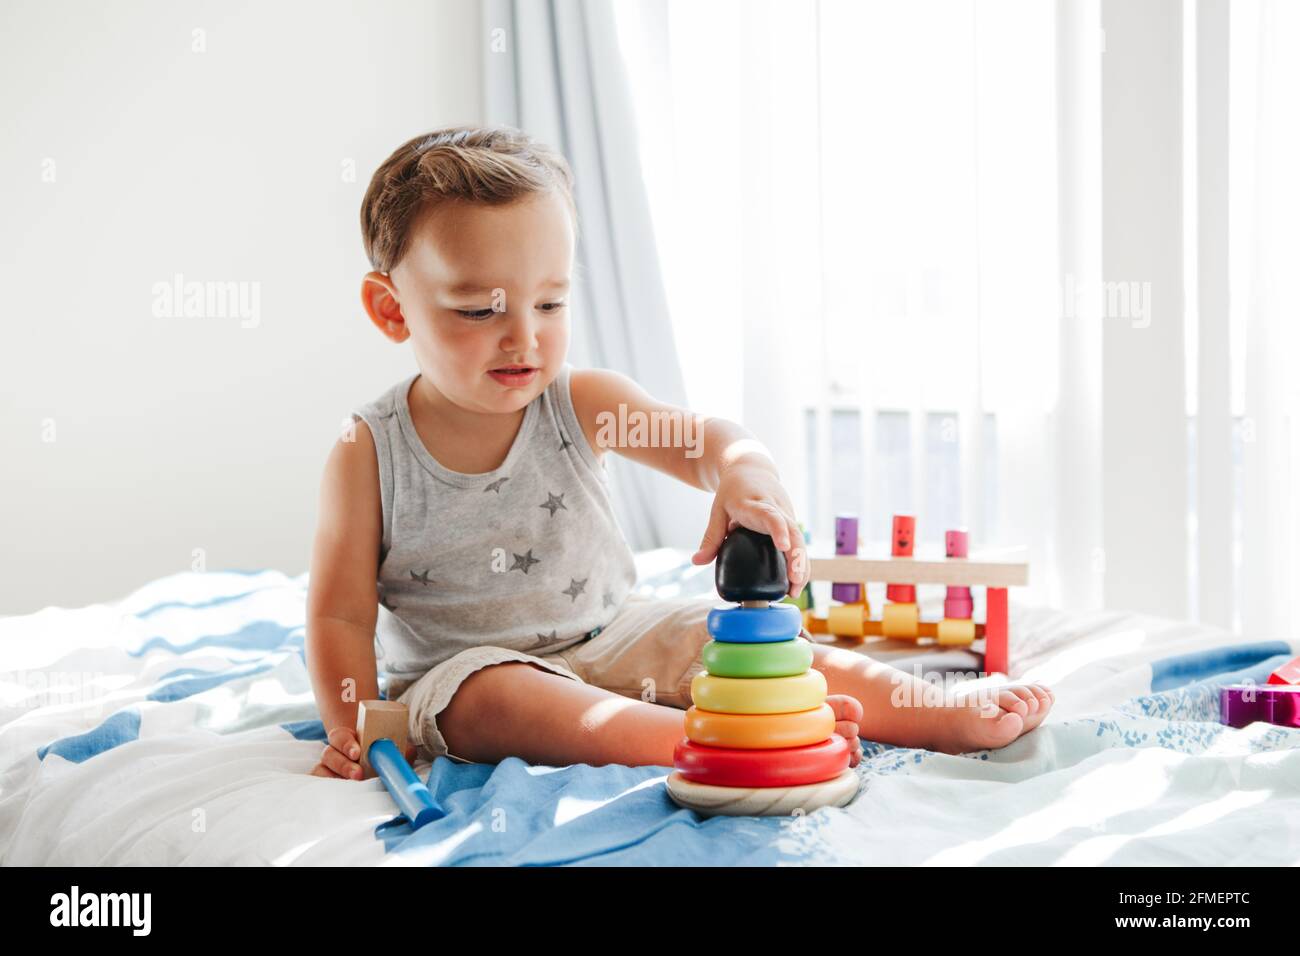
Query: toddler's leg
516	709
904	710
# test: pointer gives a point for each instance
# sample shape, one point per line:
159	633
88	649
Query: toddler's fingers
768	519
713	535
344	740
797	559
341	765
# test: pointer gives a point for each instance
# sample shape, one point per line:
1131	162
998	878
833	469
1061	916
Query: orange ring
760	731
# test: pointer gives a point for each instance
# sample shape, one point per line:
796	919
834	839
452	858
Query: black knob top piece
750	568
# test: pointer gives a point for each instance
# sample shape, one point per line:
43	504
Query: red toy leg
995	632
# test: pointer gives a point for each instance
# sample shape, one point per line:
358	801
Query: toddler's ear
379	297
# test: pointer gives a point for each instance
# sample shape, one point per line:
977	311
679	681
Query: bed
177	726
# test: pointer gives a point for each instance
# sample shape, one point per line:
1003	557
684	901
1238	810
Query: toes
1012	702
845	707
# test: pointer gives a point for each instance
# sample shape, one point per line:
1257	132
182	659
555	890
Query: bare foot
848	712
988	720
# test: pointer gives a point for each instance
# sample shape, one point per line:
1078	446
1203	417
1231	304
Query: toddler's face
487	287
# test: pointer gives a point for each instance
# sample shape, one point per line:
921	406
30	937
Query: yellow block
900	621
759	695
847	620
956	631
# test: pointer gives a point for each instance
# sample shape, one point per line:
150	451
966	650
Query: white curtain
1264	186
864	243
553	69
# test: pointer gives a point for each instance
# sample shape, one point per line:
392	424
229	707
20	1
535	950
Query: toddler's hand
342	756
751	495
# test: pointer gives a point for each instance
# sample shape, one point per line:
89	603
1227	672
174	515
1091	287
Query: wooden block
847	620
996	637
959	630
900	621
377	719
971	572
1288	673
814	624
901	593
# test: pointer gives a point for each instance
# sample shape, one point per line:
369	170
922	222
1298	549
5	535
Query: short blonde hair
490	165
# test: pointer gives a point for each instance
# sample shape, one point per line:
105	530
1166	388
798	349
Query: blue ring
755	625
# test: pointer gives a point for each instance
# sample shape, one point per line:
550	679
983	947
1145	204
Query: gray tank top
528	557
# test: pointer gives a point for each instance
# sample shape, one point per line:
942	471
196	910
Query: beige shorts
651	647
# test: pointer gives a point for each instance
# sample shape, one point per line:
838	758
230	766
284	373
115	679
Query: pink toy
957	602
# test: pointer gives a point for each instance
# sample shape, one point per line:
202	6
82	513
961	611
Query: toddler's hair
491	165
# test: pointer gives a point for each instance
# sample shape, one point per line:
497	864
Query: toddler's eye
552	306
478	315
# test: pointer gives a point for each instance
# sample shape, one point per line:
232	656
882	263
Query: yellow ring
758	695
760	731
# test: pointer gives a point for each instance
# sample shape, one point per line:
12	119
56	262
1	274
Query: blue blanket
178	725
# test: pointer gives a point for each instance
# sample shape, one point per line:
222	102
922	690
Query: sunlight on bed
1100	849
1071	660
1090	801
569	809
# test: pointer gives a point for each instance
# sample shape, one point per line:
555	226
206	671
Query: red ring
778	767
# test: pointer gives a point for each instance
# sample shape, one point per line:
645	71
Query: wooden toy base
762	801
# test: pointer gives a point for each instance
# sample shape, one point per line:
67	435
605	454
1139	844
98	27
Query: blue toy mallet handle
408	791
382	729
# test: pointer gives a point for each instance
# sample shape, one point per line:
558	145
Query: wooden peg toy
900	617
381	727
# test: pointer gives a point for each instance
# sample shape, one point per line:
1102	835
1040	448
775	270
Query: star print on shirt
564	442
544	639
524	561
554	503
496	485
575	588
422	577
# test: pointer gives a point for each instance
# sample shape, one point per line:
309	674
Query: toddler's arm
343	597
704	451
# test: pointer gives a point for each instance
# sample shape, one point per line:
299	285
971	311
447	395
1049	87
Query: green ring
776	659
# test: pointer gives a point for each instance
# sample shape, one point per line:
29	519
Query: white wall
176	434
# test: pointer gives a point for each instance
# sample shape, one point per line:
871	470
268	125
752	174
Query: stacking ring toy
762	801
759	731
755	625
786	767
778	659
774	695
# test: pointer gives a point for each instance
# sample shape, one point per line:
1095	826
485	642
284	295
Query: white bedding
182	717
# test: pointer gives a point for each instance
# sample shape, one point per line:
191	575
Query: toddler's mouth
514	374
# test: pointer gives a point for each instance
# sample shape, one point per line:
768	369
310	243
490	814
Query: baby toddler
467	539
